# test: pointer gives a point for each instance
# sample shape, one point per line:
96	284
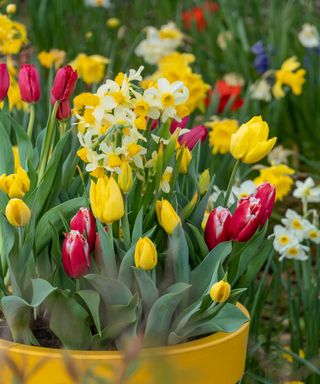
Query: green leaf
201	276
178	255
6	158
138	227
148	290
41	290
43	234
197	216
200	240
92	300
108	256
160	316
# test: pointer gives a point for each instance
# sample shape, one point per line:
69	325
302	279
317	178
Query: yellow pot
216	359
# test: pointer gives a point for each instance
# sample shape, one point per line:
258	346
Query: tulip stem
231	182
31	120
48	141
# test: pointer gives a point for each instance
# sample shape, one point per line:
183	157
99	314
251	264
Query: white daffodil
261	90
309	36
294	222
307	190
283	238
296	252
246	188
111	157
166	179
135	75
133	150
312	233
279	155
98	3
146	105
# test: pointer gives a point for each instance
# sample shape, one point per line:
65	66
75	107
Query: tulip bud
125	177
4	81
204	182
106	200
191	138
75	254
64	83
16	184
113	22
217	227
18	213
220	291
145	254
11	9
185	159
266	193
64	110
167	216
246	219
29	83
84	222
176	124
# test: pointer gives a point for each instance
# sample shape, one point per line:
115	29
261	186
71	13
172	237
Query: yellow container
216	359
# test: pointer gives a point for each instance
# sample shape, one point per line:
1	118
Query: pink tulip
29	83
75	254
64	83
217	227
4	81
246	218
64	110
192	137
84	222
176	124
266	193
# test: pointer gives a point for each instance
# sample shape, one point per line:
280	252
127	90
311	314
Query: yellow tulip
220	291
145	255
125	177
16	157
185	159
204	182
250	143
106	200
167	216
16	184
17	213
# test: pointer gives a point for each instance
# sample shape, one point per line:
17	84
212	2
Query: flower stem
125	225
231	182
31	120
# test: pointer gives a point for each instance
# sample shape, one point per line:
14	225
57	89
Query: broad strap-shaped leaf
200	240
197	215
201	276
178	255
92	300
110	268
147	288
160	316
6	158
138	227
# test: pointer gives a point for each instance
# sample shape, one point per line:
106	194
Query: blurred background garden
238	59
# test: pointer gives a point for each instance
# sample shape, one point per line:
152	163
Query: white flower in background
246	188
296	251
261	90
223	39
214	196
279	155
159	43
295	223
312	233
166	179
233	79
309	36
283	238
307	191
98	3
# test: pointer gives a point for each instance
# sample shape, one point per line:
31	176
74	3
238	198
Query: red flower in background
225	92
197	15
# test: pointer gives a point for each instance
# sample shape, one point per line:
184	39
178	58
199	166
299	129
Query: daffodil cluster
111	121
13	36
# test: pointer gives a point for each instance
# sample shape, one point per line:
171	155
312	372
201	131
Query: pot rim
208	341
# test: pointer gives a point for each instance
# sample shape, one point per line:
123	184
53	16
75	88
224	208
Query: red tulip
64	83
196	15
217	227
29	83
225	92
64	110
75	254
84	222
176	124
4	81
196	134
246	219
266	193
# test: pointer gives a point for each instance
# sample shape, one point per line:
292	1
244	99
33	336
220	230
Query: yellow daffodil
11	9
17	213
54	57
13	36
113	23
220	134
145	255
167	216
278	175
250	143
220	291
289	75
91	69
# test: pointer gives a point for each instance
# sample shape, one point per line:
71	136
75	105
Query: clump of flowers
13	36
261	61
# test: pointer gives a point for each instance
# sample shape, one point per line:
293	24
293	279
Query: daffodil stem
31	120
48	141
231	182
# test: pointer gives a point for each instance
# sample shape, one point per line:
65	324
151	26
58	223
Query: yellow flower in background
13	36
11	9
125	177
85	99
220	134
289	75
278	175
289	358
106	200
113	22
185	159
17	213
204	181
15	185
220	291
145	255
250	143
54	57
167	216
91	69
